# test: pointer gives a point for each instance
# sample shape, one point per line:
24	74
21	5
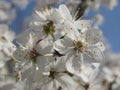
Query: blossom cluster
59	51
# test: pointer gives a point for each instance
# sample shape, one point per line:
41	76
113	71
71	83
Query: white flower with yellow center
56	77
83	47
32	56
48	22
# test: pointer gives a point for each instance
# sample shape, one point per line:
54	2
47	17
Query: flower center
49	28
33	54
79	46
52	74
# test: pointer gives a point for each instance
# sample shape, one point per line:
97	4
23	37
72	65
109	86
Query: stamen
49	28
52	74
78	46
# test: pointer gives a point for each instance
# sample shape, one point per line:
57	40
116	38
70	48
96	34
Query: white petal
93	36
66	82
56	16
48	86
63	45
69	65
101	46
41	16
60	65
93	75
93	54
41	62
65	12
21	55
83	24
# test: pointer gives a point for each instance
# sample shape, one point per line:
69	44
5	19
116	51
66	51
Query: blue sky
110	27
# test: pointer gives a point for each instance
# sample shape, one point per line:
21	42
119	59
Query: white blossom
6	38
48	23
7	13
99	19
55	76
57	50
84	47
